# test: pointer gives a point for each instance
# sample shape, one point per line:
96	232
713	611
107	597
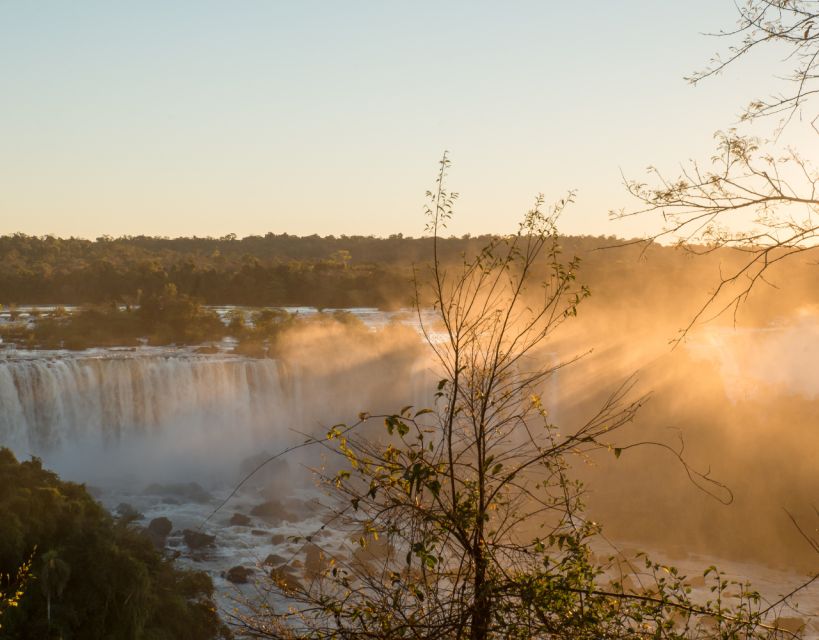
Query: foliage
12	587
161	318
96	578
262	271
467	518
328	272
169	316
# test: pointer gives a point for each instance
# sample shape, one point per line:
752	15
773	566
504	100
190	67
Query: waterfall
168	414
46	403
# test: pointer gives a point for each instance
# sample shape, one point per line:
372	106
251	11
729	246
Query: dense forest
91	575
338	272
158	290
270	270
285	270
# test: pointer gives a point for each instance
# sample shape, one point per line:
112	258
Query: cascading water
140	426
141	411
47	403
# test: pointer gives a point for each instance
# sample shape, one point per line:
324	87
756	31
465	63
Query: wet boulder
198	540
283	576
158	531
240	520
790	625
238	574
127	511
314	561
161	526
274	560
373	553
273	511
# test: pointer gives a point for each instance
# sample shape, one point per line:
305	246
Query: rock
314	561
161	526
190	491
258	532
285	579
374	553
790	625
238	574
278	539
300	508
272	511
207	349
695	581
274	560
158	531
198	540
240	520
127	511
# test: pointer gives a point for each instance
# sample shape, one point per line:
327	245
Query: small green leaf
390	421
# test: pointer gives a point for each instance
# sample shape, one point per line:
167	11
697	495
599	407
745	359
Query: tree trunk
481	613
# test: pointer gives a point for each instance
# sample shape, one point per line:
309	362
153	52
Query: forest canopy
324	272
91	576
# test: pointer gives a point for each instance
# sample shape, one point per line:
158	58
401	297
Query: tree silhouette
464	518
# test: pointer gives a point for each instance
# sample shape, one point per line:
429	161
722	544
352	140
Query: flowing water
124	419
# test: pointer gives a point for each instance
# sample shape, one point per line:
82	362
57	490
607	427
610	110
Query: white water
47	403
143	415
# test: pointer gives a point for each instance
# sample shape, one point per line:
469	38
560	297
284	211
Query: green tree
98	578
467	517
54	575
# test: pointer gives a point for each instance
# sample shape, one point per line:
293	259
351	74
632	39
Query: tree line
325	272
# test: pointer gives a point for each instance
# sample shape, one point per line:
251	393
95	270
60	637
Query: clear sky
205	118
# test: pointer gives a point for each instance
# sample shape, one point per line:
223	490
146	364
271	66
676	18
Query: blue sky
206	118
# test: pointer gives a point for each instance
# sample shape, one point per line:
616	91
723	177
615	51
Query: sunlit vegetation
260	337
86	575
154	290
468	516
13	586
324	272
270	271
161	318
